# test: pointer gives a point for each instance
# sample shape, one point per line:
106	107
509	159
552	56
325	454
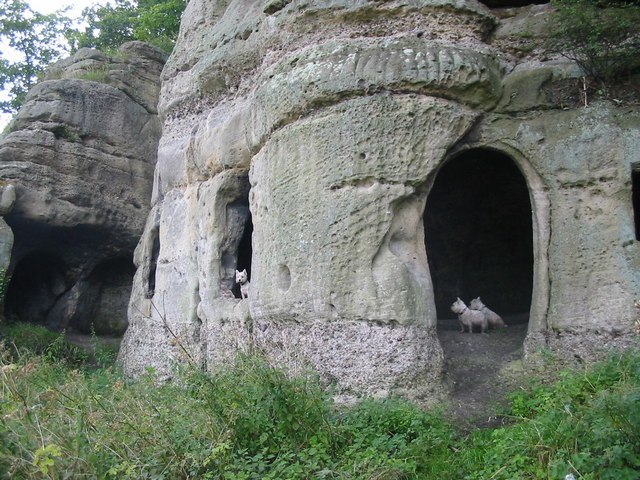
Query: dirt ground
481	368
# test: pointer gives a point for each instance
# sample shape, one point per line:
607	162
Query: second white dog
495	320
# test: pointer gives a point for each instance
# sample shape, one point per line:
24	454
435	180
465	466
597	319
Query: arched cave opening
38	281
479	241
479	235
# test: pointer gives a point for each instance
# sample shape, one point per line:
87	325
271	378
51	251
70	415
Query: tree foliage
29	41
109	26
601	36
158	22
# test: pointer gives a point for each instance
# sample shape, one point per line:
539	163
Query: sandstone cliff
81	154
318	129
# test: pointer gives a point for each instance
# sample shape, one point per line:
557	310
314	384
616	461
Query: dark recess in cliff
511	3
38	281
479	234
244	253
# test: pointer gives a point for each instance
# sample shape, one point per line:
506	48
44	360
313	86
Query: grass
63	415
94	74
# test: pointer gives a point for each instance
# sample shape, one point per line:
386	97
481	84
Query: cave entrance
38	281
244	248
479	235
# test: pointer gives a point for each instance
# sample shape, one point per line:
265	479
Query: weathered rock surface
323	125
134	70
7	200
81	154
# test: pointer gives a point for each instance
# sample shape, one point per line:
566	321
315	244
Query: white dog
469	318
243	280
495	320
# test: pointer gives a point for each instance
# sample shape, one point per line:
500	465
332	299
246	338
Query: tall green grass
586	423
62	418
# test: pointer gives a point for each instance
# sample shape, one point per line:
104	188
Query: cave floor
480	369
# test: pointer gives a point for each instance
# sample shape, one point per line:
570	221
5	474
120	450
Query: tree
158	22
109	26
30	42
601	36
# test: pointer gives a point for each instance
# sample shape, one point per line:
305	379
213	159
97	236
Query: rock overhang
341	125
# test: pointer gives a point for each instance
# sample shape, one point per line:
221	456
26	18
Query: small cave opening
38	281
635	198
153	264
479	235
512	3
244	252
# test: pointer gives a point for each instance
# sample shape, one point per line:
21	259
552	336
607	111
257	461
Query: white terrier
495	320
469	318
242	279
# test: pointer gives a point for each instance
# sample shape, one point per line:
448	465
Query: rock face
81	154
7	200
321	128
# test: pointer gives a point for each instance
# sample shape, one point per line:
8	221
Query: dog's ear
244	271
458	298
237	272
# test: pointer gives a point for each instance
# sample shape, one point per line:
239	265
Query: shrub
253	421
394	439
27	340
587	423
601	36
97	74
268	411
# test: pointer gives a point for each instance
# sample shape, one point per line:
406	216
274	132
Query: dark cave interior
635	199
244	252
511	3
478	234
37	282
